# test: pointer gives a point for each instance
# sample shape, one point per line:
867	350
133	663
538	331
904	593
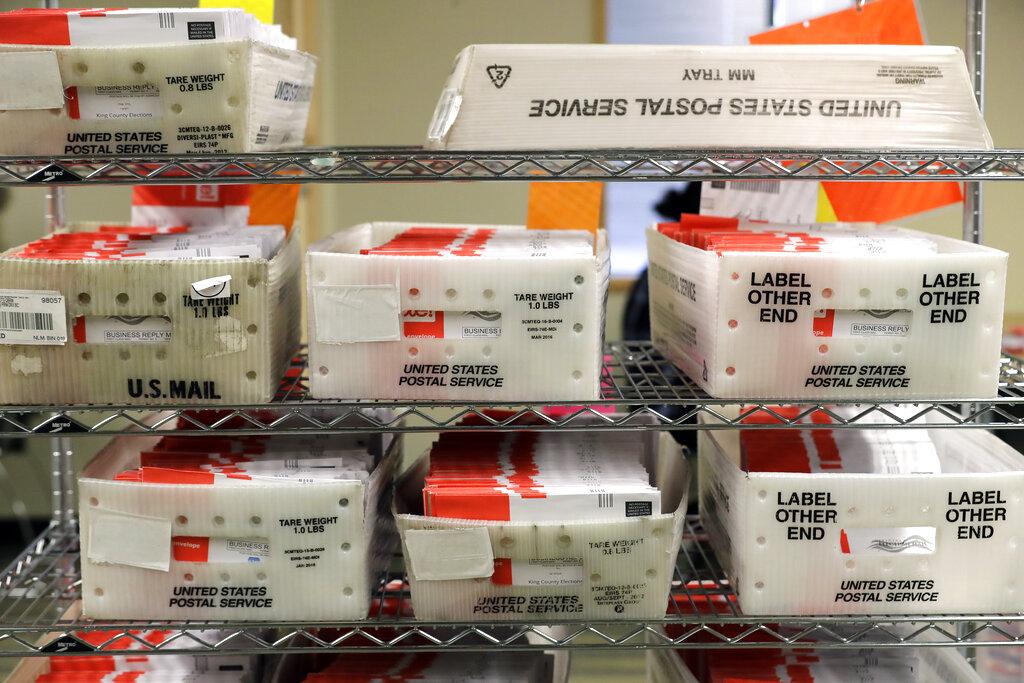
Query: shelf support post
972	227
62	471
62	478
62	474
61	455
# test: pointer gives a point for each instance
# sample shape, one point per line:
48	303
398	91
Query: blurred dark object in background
636	320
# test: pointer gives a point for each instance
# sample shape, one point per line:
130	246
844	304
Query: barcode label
18	321
763	186
166	19
604	500
263	135
32	317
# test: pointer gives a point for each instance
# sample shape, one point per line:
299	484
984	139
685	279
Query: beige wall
1004	97
381	68
385	63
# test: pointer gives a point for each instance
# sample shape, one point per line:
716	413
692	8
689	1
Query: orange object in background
882	202
882	22
564	206
273	205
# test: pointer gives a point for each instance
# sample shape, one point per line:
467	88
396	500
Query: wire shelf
42	587
640	390
354	164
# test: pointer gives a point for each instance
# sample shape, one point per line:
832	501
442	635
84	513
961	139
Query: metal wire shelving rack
39	591
406	164
638	384
43	585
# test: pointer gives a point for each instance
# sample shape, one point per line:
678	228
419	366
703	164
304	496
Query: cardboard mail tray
139	332
557	97
869	543
231	548
472	570
773	324
507	326
216	97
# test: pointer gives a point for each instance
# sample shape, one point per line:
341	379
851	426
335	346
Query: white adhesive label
446	554
26	365
888	541
451	324
556	571
119	102
31	81
210	288
356	313
33	317
141	329
132	540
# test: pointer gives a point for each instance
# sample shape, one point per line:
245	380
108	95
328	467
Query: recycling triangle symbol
498	74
